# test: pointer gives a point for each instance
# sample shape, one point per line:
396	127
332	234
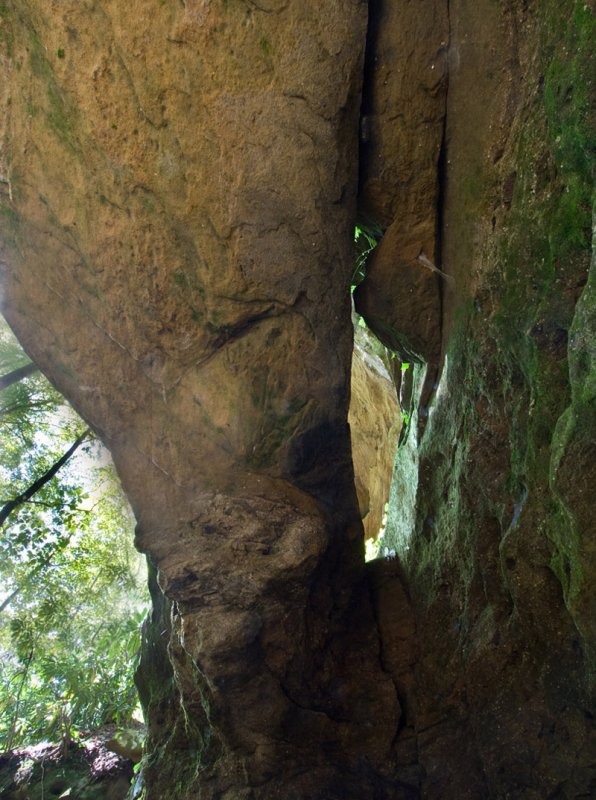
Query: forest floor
87	770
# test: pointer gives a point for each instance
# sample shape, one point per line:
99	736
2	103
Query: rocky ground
88	770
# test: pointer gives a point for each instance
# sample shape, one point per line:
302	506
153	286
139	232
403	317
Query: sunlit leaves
366	238
69	576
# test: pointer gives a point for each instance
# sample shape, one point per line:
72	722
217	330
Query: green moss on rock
508	457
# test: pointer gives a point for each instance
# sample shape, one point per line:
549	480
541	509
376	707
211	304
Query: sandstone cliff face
499	559
375	424
176	254
178	197
404	107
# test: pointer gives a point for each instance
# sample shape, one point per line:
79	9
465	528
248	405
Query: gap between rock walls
387	253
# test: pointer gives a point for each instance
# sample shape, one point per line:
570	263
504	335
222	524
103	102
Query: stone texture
375	425
88	771
404	105
406	74
400	298
397	625
176	250
178	198
500	548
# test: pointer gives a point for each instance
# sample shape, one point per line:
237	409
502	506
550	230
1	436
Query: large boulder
498	557
176	233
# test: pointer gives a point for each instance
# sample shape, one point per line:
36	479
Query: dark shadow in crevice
367	105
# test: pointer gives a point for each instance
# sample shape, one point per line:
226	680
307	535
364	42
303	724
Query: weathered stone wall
177	230
499	561
375	424
177	208
406	77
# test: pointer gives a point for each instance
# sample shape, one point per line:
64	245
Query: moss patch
508	456
59	114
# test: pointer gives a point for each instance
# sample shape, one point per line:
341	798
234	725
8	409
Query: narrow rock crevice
447	284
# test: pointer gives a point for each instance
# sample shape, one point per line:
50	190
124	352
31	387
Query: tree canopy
72	590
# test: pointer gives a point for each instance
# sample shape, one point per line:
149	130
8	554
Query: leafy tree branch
31	490
73	594
45	562
17	375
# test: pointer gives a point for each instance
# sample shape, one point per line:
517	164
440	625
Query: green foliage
71	580
571	118
366	238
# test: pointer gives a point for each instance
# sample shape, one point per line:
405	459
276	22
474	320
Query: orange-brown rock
400	297
404	104
404	107
176	249
177	201
375	424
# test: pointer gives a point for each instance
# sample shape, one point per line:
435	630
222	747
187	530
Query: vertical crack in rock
442	164
404	106
173	175
502	681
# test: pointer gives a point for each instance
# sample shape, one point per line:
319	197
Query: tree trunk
17	375
40	482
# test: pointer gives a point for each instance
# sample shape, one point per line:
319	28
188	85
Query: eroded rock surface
404	106
498	559
400	298
176	255
375	425
177	216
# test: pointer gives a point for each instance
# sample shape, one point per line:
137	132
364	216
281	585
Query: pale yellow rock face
375	424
